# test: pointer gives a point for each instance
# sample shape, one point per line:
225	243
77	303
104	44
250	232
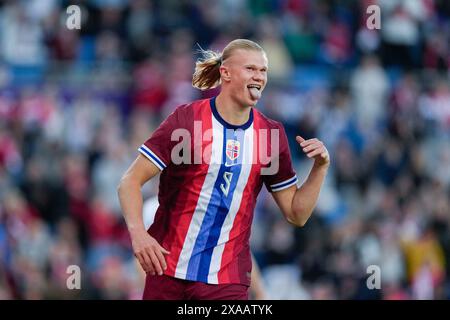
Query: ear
225	73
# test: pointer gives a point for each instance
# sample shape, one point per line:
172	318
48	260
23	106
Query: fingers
152	260
160	254
305	143
164	250
149	253
145	261
299	139
316	152
313	147
156	263
161	259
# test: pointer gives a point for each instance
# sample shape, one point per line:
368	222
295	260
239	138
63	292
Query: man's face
245	74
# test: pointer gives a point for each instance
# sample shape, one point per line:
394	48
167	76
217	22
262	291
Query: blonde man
214	156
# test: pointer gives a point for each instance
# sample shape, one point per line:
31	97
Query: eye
250	68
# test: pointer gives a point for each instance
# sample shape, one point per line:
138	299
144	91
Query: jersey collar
227	125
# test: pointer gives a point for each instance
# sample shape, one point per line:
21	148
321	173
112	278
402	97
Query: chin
252	102
248	103
245	103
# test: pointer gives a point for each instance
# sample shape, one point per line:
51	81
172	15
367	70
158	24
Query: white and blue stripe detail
284	184
201	255
245	170
218	209
152	157
203	201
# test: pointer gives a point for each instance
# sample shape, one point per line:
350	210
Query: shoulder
266	122
185	110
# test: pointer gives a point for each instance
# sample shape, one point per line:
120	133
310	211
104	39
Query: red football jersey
212	172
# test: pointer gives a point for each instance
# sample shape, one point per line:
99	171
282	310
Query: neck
230	111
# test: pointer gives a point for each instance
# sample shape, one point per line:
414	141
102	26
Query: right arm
146	249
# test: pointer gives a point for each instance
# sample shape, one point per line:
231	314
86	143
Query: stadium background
75	105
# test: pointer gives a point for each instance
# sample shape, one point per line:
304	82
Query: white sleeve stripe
283	182
285	186
154	155
149	157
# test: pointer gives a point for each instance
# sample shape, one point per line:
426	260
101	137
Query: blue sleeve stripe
284	184
151	156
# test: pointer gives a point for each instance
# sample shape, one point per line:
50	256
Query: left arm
297	204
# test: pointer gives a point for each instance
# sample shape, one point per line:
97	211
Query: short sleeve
285	176
158	147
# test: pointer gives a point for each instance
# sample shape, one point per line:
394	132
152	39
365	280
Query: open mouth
255	86
255	91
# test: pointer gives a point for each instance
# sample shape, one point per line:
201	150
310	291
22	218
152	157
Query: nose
258	76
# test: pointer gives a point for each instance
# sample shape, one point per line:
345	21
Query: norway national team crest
233	149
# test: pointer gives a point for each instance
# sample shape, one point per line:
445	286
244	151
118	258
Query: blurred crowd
76	104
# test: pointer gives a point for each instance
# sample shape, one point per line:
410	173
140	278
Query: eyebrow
255	66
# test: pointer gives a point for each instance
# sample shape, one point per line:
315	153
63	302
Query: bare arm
297	204
146	249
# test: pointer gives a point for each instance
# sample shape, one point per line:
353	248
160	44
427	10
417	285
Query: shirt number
227	176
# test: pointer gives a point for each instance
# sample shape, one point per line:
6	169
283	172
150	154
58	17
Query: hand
315	148
149	252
